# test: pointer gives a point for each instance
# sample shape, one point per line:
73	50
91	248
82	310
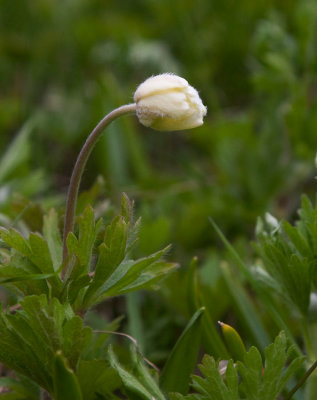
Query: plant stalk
301	382
311	387
78	170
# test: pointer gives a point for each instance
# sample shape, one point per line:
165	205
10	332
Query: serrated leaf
126	273
213	386
182	360
274	377
35	313
251	373
66	385
129	271
146	279
268	380
297	239
111	253
257	381
126	208
75	338
116	241
82	246
18	355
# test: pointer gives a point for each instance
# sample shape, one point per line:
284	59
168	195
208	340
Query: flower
167	102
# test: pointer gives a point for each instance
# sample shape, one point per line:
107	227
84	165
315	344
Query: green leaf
276	375
257	381
96	376
40	253
127	277
30	338
19	388
211	335
18	151
214	386
126	208
147	279
265	296
17	354
182	360
36	250
53	237
24	276
87	235
141	387
21	278
116	242
289	269
243	304
82	246
251	372
130	270
14	239
212	341
143	374
268	385
111	253
75	286
66	384
75	338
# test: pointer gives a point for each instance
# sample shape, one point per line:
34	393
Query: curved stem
79	169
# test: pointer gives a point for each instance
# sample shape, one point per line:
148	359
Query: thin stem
301	381
133	341
79	169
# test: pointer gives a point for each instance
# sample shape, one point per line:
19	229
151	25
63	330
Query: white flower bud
167	102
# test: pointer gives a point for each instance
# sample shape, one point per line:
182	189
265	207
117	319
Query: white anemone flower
167	102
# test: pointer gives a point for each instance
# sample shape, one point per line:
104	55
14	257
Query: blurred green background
64	65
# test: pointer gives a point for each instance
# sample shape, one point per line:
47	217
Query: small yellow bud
167	102
233	341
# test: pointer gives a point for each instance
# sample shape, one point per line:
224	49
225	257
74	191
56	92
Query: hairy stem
79	169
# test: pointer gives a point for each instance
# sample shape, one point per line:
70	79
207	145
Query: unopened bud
233	341
167	102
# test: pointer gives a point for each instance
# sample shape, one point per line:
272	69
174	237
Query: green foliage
45	340
61	70
140	384
289	256
183	357
32	266
65	382
31	337
258	381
